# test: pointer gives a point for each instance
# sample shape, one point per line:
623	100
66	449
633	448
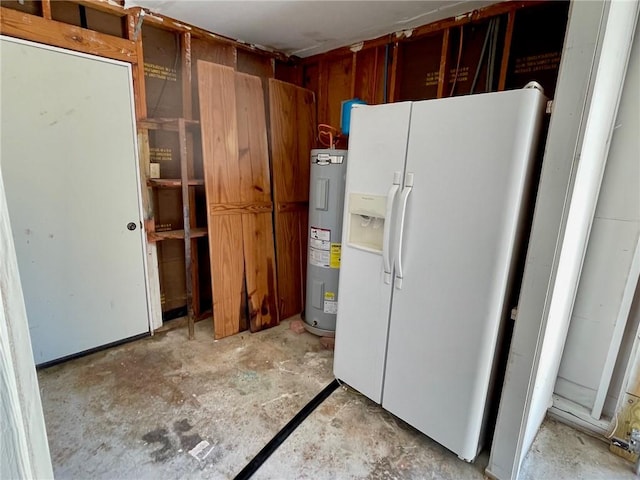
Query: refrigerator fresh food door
469	161
377	152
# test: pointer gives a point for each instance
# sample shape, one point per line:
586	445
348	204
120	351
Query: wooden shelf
176	234
170	124
173	182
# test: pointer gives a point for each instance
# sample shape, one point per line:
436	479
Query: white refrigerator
436	193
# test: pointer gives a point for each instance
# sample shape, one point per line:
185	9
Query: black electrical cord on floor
287	430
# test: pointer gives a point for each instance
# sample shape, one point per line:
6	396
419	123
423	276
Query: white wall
607	263
594	60
24	451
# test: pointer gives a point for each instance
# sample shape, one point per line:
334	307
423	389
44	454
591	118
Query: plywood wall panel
292	134
218	121
369	75
255	184
227	273
255	190
255	64
288	72
209	51
291	256
260	268
336	84
238	190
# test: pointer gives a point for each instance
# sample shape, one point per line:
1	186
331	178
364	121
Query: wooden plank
187	113
239	208
37	29
173	182
338	88
292	133
260	270
209	51
506	50
255	183
227	273
155	303
255	188
46	9
368	76
166	124
176	234
218	117
393	82
305	128
292	206
185	59
354	66
289	259
140	96
443	73
186	217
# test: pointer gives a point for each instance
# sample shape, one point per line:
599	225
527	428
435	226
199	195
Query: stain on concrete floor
135	411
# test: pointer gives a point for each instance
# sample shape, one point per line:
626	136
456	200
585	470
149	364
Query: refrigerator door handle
386	241
404	198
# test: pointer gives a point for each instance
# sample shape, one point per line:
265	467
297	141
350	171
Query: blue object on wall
345	117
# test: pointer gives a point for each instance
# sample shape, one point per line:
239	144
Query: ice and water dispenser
366	221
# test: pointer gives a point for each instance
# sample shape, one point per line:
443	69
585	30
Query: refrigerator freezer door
471	158
377	150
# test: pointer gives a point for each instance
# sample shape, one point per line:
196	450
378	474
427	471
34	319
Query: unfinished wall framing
168	129
502	46
432	61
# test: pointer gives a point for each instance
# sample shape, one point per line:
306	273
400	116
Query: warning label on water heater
320	247
330	307
330	304
336	254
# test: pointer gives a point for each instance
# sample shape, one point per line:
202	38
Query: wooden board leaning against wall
171	79
502	46
238	192
291	138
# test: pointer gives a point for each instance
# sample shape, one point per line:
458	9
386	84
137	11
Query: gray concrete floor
135	411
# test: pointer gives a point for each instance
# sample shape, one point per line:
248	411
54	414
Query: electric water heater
326	199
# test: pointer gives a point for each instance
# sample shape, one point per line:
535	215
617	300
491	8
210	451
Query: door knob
131	226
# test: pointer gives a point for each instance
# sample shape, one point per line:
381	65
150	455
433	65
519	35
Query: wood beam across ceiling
38	29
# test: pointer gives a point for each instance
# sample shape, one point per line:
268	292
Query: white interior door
68	157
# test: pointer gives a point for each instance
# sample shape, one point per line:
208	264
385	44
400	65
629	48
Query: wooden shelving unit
189	232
